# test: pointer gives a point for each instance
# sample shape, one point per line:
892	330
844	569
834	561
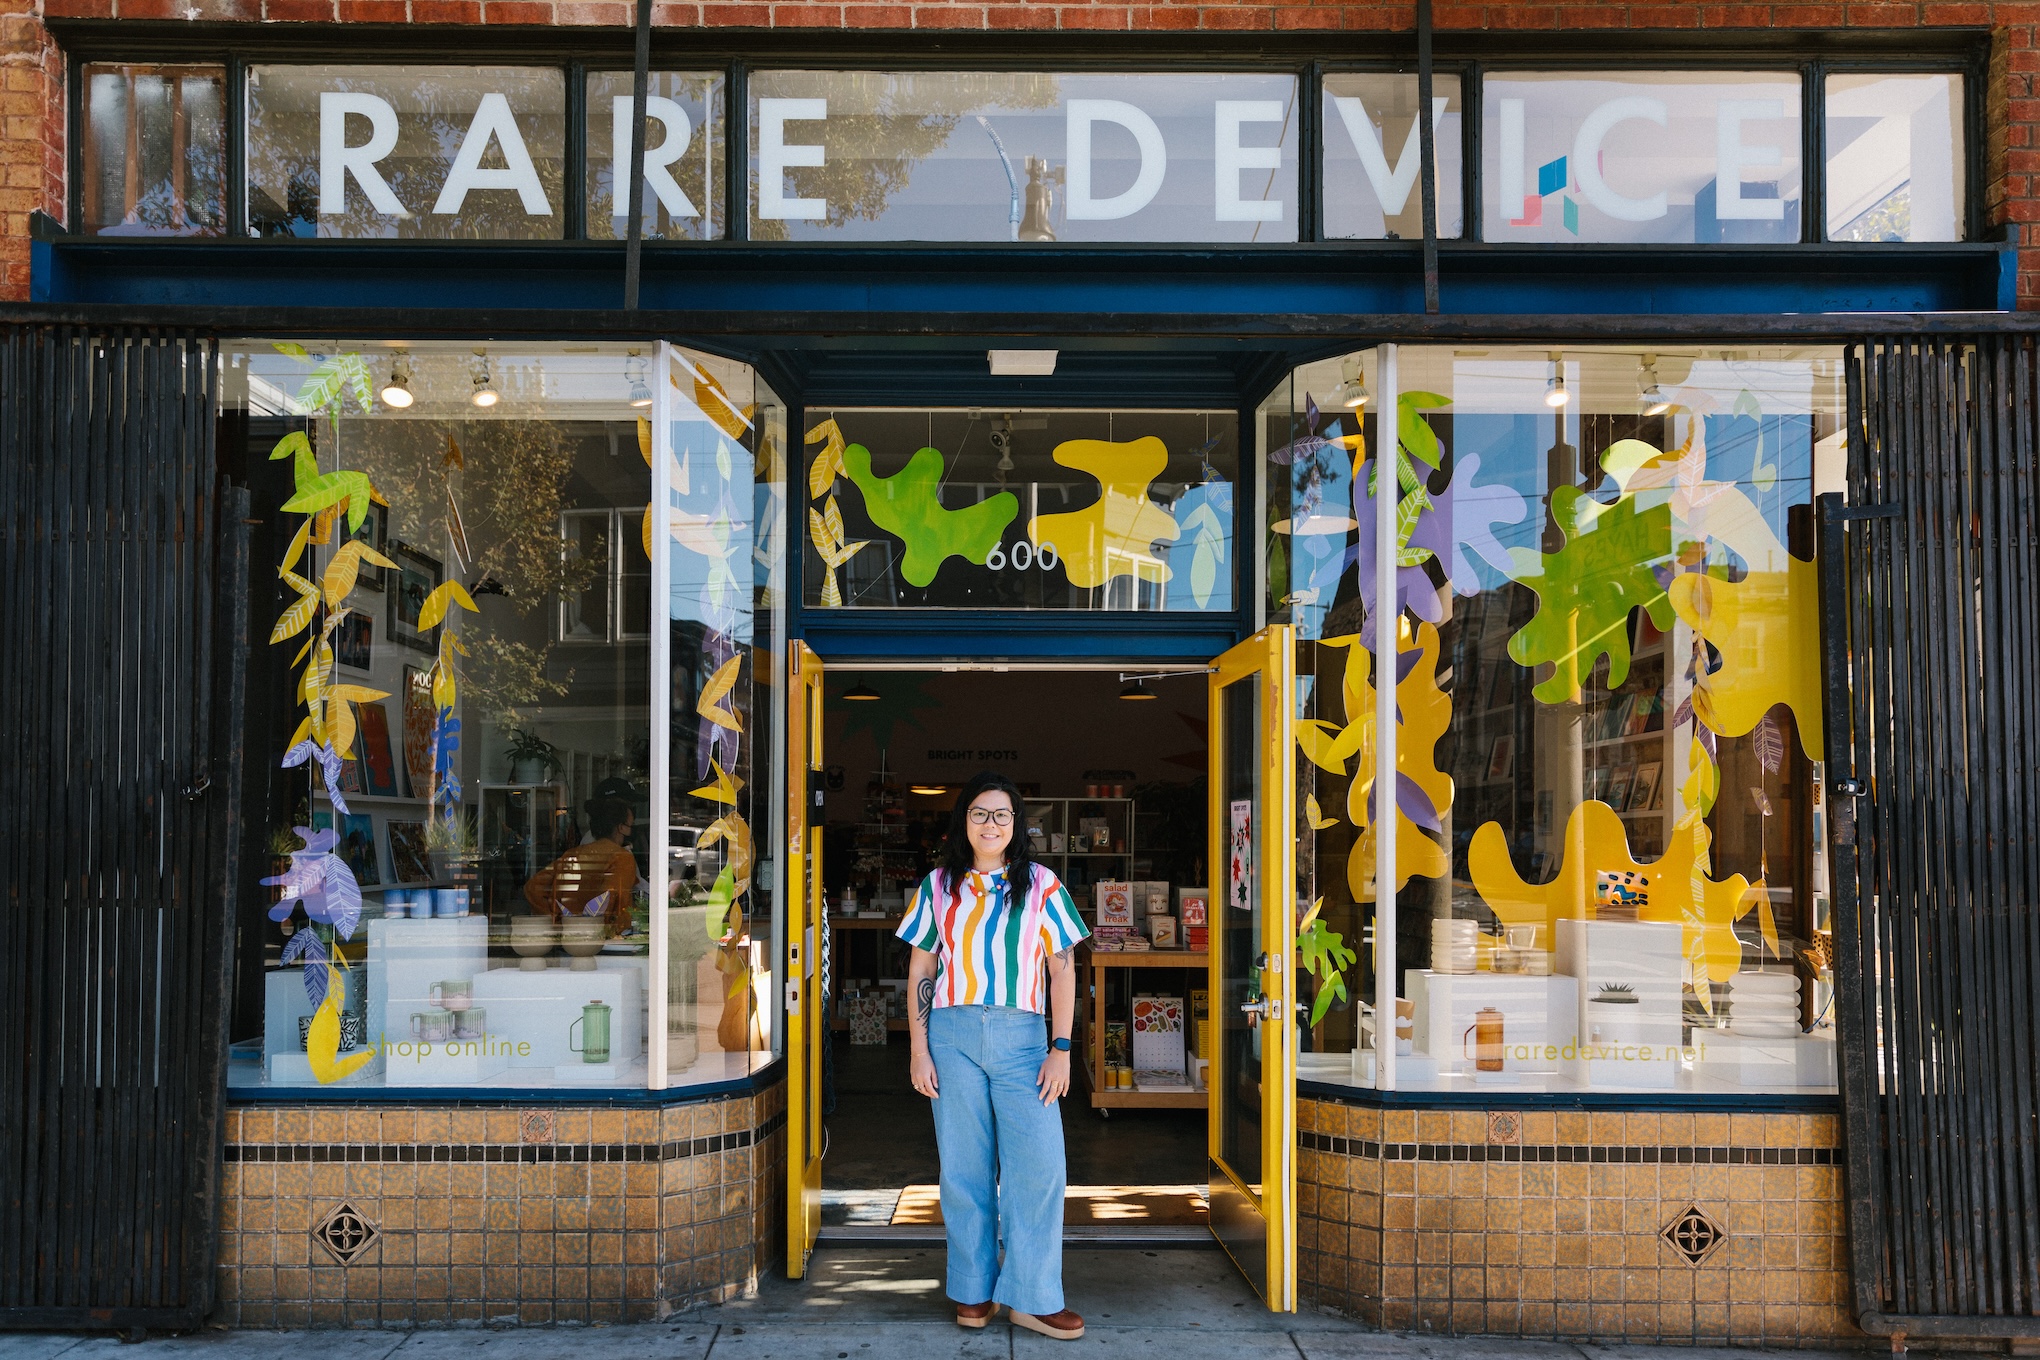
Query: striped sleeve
919	927
1061	924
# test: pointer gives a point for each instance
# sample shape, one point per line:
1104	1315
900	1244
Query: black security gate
1931	584
123	574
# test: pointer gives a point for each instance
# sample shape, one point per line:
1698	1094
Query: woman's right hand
922	1072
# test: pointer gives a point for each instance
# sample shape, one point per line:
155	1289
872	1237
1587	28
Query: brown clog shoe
1063	1326
975	1314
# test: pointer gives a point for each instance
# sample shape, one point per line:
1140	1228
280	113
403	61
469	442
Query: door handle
1267	1008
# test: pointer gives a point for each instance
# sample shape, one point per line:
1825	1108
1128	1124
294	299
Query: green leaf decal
906	504
1586	590
1323	953
1412	431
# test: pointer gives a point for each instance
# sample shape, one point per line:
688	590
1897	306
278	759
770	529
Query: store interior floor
881	1142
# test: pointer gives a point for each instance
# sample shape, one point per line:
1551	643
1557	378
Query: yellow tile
1540	1128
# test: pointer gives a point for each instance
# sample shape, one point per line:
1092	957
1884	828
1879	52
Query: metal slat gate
122	612
1931	586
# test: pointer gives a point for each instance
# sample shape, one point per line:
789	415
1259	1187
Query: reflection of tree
900	122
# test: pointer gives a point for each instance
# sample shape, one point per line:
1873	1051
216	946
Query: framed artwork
1596	786
1618	786
354	642
1501	761
374	532
418	720
417	577
1643	795
357	847
408	863
1239	870
379	772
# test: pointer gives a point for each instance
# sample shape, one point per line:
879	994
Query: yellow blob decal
1116	536
322	1039
1767	629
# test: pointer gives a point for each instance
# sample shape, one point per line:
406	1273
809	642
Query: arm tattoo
924	1000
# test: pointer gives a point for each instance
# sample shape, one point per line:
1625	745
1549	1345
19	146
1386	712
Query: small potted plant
532	758
450	848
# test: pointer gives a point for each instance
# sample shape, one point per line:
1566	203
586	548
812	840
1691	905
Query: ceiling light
397	392
1352	393
928	790
1650	398
1021	363
861	693
640	391
485	394
1136	690
1555	393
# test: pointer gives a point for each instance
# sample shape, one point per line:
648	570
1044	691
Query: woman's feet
975	1314
1063	1326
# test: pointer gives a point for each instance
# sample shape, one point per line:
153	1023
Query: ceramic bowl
532	938
582	937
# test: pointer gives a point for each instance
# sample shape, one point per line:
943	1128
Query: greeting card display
1158	1034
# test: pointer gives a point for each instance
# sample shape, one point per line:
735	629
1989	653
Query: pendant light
1650	398
1555	393
396	393
1352	392
861	693
640	392
485	394
1136	689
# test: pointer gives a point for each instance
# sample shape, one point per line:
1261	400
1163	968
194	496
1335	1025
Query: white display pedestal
284	1003
534	1011
1632	1042
405	957
1796	1060
1539	1020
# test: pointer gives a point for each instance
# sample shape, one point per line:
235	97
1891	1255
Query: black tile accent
1562	1153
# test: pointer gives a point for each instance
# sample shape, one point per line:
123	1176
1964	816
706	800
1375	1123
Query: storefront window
1022	156
990	509
468	840
155	151
1371	157
1608	858
683	156
1657	156
724	489
1895	157
407	152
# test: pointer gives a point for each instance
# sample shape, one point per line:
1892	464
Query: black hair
958	857
605	815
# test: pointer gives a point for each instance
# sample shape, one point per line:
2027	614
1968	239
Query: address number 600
1022	556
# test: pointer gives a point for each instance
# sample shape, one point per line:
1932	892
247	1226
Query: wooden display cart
1091	1006
838	924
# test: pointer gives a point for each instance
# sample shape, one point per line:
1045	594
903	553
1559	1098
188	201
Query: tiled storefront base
1547	1224
462	1215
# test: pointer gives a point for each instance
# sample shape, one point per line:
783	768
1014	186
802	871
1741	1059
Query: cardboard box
1156	898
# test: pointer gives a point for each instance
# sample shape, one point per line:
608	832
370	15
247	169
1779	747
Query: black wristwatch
1061	1045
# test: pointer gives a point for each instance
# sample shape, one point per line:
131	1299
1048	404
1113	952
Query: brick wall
31	144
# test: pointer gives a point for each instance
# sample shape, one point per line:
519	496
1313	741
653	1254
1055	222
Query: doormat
1100	1206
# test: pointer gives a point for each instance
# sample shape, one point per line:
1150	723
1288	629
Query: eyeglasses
996	816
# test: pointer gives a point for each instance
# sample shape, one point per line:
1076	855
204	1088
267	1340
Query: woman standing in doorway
992	933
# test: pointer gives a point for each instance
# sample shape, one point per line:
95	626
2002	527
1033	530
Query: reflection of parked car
683	851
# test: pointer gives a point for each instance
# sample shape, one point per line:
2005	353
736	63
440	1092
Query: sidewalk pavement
886	1303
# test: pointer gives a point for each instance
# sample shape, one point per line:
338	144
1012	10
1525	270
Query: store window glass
452	574
1021	509
154	150
1895	157
1371	156
1686	157
683	196
1023	156
1609	867
407	152
724	616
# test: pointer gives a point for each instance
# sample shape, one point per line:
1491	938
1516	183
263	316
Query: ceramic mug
396	903
434	1026
449	901
454	994
472	1023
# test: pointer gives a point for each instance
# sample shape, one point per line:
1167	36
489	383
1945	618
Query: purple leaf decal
299	941
330	763
315	973
1414	803
1684	713
343	896
1769	743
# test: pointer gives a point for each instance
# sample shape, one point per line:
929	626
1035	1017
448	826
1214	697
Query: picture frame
1643	795
417	575
354	643
378	771
408	862
1619	783
374	533
357	847
419	718
1501	763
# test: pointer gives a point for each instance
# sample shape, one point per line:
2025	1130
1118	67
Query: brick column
31	136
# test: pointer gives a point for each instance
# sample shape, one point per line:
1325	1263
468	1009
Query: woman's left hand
1054	1080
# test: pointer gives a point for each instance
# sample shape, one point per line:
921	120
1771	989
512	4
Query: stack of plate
1764	1005
1453	945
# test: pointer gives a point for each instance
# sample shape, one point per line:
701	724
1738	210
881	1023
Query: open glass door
806	1007
1253	1074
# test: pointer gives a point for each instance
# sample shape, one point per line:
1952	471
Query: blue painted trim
2008	270
1570	1100
463	1096
1370	278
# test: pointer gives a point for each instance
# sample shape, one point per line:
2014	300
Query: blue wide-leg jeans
1002	1157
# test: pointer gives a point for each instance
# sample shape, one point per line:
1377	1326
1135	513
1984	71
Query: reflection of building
1623	876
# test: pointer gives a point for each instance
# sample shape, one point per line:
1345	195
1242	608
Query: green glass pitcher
594	1026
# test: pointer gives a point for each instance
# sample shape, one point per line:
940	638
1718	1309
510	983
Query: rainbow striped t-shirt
990	954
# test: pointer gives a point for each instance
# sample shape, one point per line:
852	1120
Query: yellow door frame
805	1010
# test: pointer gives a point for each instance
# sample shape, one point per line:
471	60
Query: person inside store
596	878
992	935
